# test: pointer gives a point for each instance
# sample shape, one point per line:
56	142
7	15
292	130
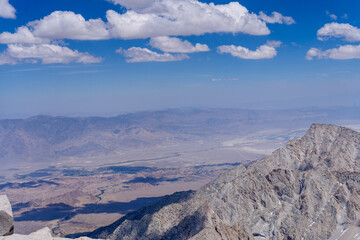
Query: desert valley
179	120
79	174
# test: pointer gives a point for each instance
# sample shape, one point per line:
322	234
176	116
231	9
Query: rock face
6	217
308	190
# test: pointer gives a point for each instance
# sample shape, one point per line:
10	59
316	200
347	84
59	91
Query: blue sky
99	57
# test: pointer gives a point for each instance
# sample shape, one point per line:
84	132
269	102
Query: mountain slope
308	190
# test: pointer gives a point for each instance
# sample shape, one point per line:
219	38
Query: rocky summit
6	217
307	190
7	226
42	234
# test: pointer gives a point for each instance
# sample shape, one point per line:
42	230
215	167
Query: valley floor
78	195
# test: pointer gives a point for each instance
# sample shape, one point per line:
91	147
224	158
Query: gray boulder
42	234
6	217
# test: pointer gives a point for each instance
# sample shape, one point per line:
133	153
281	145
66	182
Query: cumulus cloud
176	45
313	52
341	53
58	25
68	25
276	18
36	41
5	59
145	19
134	4
22	35
136	54
155	19
265	51
47	53
7	10
339	30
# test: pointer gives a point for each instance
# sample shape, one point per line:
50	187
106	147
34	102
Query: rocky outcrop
308	190
7	226
6	217
42	234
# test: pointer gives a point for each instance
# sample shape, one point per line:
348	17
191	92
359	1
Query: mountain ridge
306	190
44	137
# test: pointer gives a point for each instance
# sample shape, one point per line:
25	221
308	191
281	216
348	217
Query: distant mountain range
45	138
308	190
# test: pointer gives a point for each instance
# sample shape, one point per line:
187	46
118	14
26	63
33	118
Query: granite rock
6	217
42	234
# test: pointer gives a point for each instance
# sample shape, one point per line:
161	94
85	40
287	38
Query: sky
107	57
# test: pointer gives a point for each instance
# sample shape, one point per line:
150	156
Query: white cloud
176	45
68	25
144	19
136	54
47	53
185	17
341	53
7	10
265	51
5	59
36	41
22	35
332	16
58	25
276	18
155	19
134	4
313	52
339	30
